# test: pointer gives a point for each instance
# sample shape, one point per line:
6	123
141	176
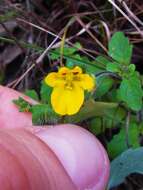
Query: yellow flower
68	89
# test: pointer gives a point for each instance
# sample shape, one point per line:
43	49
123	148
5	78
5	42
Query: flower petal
74	99
57	100
66	101
76	70
54	79
50	79
63	70
87	82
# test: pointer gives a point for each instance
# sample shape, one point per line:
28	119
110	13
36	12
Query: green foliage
118	91
120	48
120	141
104	84
43	114
130	91
45	93
132	68
32	94
91	109
95	126
23	105
113	67
130	161
73	58
84	63
55	54
114	117
102	60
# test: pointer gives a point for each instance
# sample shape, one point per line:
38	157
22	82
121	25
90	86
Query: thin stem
127	129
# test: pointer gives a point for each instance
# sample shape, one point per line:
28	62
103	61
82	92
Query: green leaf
118	144
90	110
95	126
120	48
23	105
102	60
43	114
130	161
104	84
131	68
112	96
113	67
88	66
32	94
114	117
131	93
55	54
45	93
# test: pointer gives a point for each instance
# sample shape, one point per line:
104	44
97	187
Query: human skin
27	163
81	154
10	117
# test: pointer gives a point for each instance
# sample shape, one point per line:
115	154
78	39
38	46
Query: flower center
69	86
69	81
69	77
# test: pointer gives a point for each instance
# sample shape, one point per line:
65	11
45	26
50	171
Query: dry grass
89	22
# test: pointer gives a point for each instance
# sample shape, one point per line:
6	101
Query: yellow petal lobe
50	79
76	70
87	82
65	101
63	70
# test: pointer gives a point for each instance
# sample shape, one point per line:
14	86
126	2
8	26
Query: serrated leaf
130	161
45	93
118	144
130	91
23	105
120	48
32	94
43	114
104	84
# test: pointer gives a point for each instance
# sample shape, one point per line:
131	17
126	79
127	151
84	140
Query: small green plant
115	106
